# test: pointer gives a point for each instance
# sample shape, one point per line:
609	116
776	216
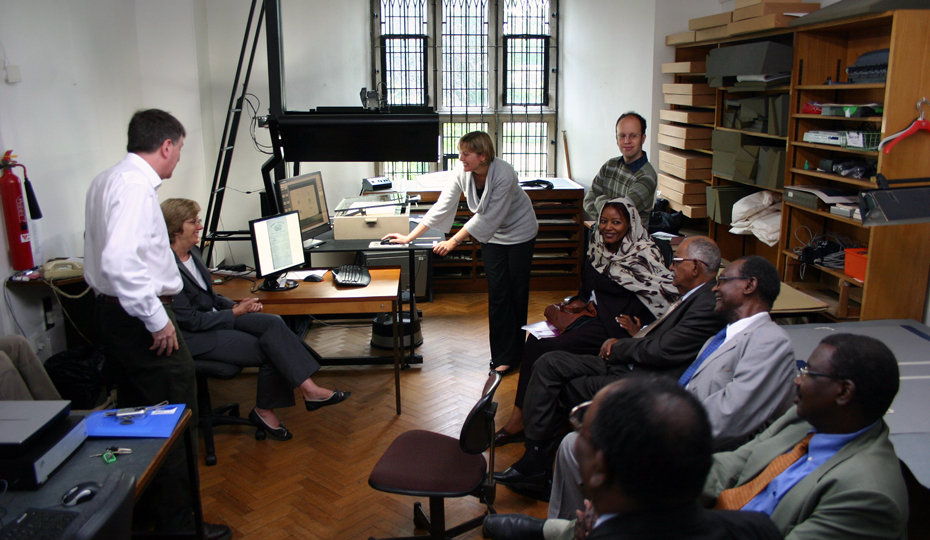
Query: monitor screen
276	245
304	194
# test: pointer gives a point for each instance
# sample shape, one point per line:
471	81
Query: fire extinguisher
14	212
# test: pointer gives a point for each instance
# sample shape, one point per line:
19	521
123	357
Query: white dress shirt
126	249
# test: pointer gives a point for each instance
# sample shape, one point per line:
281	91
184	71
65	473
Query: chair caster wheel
234	411
211	461
418	517
260	435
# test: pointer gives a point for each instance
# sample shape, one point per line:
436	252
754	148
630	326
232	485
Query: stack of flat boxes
683	170
757	15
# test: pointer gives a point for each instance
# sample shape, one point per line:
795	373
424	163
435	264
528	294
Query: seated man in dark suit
216	328
742	376
562	380
644	448
845	481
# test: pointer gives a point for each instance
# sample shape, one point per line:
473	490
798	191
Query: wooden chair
225	415
426	464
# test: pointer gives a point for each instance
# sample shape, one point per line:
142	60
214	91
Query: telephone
62	268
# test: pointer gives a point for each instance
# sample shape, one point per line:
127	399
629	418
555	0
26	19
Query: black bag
78	375
661	221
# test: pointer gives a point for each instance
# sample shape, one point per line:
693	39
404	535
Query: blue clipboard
158	424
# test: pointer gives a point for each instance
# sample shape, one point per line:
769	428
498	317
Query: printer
370	217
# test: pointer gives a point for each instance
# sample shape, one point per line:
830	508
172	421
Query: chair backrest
478	431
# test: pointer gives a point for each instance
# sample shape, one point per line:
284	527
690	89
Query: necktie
711	347
738	497
643	331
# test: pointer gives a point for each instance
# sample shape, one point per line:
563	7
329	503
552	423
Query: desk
145	460
908	420
382	295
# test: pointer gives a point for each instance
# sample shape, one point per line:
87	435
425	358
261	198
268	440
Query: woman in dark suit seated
216	328
625	276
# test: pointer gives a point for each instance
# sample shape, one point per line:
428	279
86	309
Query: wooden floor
316	485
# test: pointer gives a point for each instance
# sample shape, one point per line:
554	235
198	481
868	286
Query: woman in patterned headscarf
624	275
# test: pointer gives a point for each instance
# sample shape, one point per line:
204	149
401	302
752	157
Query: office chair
426	464
226	415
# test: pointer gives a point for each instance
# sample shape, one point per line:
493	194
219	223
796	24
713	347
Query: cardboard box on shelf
684	144
771	170
766	22
690	68
716	32
770	8
710	21
682	88
685	160
683	186
739	4
687	117
694	211
681	37
684	174
720	201
685	132
691	100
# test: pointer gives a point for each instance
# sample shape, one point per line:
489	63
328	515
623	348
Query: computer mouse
386	241
314	277
82	492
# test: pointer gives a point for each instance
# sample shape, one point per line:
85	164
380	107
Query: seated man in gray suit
742	376
668	346
645	448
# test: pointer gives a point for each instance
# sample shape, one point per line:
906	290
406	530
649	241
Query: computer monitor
277	248
304	194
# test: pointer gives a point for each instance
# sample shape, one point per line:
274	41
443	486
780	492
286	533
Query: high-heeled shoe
281	433
508	371
338	397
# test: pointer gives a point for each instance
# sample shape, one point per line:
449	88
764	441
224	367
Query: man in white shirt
129	263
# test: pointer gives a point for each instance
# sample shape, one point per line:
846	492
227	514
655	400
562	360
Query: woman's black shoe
508	371
338	397
281	433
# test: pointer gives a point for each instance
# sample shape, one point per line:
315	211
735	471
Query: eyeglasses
197	221
576	417
729	278
802	368
676	260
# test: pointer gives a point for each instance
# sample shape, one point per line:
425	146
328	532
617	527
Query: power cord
829	248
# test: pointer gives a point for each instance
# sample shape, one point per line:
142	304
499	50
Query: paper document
542	330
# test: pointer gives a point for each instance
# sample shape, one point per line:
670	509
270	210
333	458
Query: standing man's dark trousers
148	379
507	268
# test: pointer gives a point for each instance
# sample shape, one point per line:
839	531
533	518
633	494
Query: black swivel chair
426	464
225	415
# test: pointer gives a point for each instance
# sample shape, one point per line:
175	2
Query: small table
382	295
145	460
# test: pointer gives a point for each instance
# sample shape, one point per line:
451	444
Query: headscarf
637	266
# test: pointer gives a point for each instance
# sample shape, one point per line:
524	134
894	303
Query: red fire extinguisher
14	212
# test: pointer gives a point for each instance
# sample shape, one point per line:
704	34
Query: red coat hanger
917	125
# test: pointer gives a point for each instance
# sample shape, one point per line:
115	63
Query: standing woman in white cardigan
505	225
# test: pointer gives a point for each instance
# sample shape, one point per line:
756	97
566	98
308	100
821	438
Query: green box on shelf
720	201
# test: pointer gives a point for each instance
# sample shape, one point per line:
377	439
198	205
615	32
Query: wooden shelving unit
558	255
895	284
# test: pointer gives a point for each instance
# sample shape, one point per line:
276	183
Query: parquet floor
315	486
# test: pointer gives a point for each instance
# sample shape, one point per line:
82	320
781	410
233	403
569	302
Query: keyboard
352	275
39	524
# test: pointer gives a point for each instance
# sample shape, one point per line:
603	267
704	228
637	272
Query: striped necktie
738	497
643	331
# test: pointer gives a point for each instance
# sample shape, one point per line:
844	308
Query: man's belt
114	300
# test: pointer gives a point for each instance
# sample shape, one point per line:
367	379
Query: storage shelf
869	86
754	134
840	118
873	153
858	182
826	214
839	274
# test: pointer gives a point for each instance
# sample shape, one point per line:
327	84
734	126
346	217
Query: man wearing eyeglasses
129	264
562	380
742	376
644	448
845	481
627	175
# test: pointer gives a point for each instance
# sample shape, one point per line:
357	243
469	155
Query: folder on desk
157	424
